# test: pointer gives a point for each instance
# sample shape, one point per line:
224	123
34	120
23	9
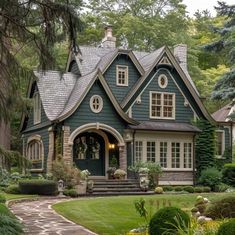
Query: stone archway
99	128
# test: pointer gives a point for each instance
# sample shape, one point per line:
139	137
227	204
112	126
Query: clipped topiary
228	174
167	219
178	188
227	228
223	208
189	189
13	189
167	188
158	190
198	189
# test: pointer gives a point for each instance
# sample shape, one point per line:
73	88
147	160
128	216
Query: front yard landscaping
117	215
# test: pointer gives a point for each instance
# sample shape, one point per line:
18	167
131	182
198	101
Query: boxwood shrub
189	189
223	208
70	193
40	187
166	220
228	174
14	189
167	188
178	188
227	228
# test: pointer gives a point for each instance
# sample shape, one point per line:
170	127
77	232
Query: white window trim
162	94
126	75
159	80
36	112
169	151
100	104
37	138
223	143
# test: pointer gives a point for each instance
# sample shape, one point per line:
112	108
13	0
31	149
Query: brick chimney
109	41
180	53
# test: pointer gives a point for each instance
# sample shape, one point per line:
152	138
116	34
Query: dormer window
122	75
36	108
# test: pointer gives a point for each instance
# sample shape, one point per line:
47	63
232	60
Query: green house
115	102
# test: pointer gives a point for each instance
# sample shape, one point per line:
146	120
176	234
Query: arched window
96	103
35	152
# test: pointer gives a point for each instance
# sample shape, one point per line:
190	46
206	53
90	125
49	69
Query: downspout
194	160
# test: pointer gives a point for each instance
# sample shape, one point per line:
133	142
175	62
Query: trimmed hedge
224	208
189	189
227	228
228	174
40	187
167	188
14	189
166	220
70	193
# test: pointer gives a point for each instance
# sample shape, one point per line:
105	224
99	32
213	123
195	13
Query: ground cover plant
117	215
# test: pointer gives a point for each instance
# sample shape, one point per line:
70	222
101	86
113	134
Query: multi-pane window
162	105
122	75
219	143
96	103
36	108
138	151
151	151
34	150
175	155
163	154
187	155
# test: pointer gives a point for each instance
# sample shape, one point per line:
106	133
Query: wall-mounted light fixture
111	146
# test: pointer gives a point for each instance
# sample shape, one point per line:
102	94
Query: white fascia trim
96	125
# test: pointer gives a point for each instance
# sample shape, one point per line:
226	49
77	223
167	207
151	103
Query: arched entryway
89	152
93	145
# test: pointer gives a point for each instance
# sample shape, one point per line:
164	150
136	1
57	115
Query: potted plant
82	186
119	174
110	172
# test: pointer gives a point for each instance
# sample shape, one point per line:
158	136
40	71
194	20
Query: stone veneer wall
122	157
67	148
176	178
50	150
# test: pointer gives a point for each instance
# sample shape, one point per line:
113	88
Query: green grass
17	196
117	215
4	210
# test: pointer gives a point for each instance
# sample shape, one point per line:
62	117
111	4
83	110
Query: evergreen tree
225	88
34	24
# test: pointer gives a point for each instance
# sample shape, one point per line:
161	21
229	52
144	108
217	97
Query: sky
194	5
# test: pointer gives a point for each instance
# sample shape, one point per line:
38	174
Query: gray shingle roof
54	89
221	115
165	126
62	93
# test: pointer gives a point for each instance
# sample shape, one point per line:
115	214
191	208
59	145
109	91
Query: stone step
121	193
116	189
116	186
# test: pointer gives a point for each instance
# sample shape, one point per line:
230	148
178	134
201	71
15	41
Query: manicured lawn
117	215
17	196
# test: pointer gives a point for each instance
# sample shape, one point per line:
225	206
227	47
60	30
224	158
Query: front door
89	153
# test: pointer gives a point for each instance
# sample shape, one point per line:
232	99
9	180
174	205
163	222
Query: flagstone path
40	219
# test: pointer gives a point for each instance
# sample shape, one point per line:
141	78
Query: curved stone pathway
40	219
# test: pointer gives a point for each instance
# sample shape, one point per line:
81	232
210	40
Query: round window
162	81
96	103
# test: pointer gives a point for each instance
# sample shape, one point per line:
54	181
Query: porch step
117	187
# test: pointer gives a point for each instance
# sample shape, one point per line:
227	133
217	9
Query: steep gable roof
222	114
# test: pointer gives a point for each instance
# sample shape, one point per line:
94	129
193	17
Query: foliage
205	146
40	187
206	189
227	228
226	158
4	210
10	225
119	173
70	192
168	188
228	174
189	189
178	188
225	86
221	187
158	190
69	174
165	220
198	189
223	208
36	26
210	177
141	209
2	198
13	189
85	174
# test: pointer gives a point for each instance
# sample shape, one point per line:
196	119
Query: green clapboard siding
110	76
141	111
45	138
84	115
